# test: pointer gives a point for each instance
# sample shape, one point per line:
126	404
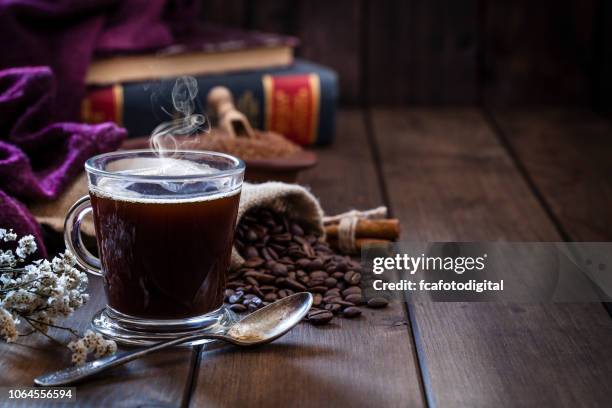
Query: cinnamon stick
387	229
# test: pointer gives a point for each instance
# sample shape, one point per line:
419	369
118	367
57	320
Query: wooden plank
357	363
276	16
330	34
538	52
422	52
449	179
567	155
156	380
228	12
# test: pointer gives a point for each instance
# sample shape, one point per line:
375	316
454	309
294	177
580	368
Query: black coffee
164	259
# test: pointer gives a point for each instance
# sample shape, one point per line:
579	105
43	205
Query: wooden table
448	174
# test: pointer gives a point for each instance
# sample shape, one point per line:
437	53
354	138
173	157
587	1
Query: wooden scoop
230	119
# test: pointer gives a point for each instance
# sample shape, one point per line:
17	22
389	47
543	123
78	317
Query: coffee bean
259	277
320	317
286	237
283	293
251	236
333	291
251	280
268	288
319	275
345	303
251	252
265	252
331	282
228	292
234	284
351	312
296	229
302	263
236	297
377	302
348	275
253	307
315	264
333	307
254	262
355	298
256	290
295	285
354	279
331	299
351	290
318	289
337	275
270	297
317	298
315	282
238	308
279	269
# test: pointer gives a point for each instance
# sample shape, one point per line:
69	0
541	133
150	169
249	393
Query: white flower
26	246
69	258
43	292
7	259
91	343
8	329
8	236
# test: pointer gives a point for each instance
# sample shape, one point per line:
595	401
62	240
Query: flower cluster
40	293
91	343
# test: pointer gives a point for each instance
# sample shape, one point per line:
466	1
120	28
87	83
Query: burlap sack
291	199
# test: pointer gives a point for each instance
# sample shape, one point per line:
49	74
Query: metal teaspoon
260	327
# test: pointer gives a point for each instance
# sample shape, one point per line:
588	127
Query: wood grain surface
564	152
422	52
364	362
449	179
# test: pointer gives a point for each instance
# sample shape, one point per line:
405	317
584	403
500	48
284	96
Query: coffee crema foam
161	191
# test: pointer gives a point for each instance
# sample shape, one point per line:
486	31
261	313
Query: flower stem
43	333
72	331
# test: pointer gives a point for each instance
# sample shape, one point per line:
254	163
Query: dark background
500	53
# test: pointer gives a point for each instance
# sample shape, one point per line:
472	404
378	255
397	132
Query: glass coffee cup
164	230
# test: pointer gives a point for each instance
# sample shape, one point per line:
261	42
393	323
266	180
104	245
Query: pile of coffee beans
282	259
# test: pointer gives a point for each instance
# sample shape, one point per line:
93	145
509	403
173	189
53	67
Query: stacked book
273	89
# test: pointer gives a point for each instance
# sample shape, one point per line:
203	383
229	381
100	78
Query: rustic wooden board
366	362
228	12
449	179
567	154
157	380
422	52
331	34
538	52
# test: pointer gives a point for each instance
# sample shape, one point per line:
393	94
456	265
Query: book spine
299	105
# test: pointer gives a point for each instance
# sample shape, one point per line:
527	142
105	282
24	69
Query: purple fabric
65	35
39	158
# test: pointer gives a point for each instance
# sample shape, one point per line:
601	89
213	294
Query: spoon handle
77	373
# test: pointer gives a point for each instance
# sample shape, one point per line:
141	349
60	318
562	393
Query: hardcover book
299	101
211	49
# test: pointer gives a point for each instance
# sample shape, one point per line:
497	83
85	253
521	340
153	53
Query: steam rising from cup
163	139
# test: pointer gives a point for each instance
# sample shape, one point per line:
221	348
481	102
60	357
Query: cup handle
73	240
